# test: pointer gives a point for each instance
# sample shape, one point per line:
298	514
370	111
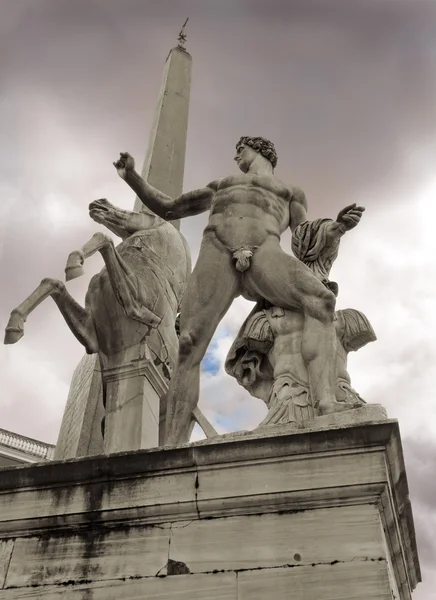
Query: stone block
6	547
275	540
355	580
220	586
91	555
322	514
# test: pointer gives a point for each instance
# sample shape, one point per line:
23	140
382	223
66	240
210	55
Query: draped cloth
312	244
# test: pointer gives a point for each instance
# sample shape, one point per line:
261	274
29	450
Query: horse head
122	223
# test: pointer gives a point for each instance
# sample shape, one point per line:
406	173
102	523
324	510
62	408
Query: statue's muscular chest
252	195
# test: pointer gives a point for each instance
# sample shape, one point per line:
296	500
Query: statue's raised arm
185	205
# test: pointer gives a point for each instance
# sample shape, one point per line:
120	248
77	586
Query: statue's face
245	155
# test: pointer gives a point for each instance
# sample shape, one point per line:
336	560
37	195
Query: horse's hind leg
15	326
78	319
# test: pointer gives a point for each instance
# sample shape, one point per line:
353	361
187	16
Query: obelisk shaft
80	433
165	159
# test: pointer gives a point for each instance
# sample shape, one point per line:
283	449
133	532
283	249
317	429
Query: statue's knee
323	306
102	239
329	303
186	344
188	347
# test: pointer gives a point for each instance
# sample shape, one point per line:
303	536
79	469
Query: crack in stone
188	572
8	563
197	485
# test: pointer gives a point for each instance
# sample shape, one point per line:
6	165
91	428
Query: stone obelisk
80	432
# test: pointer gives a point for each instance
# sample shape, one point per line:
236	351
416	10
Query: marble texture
266	360
322	512
241	255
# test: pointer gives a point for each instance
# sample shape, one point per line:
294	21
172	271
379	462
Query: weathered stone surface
6	547
274	540
354	580
221	586
92	555
368	413
322	513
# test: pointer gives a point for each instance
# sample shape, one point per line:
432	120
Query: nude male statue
240	254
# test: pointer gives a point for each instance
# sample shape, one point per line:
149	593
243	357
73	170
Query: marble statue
266	360
266	357
241	254
134	299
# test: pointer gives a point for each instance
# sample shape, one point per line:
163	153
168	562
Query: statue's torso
247	209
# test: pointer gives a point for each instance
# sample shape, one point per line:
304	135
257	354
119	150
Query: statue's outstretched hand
124	164
350	216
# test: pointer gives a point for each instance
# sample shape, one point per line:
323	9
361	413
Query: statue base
322	513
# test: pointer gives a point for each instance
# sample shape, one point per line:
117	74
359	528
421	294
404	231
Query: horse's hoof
13	335
73	272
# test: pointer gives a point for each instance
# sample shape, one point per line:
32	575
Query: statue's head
248	148
121	222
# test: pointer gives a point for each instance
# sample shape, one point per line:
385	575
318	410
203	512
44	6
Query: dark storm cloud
356	77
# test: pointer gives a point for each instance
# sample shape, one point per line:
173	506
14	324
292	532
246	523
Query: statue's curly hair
260	144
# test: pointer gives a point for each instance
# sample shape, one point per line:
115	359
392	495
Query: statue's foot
14	329
330	408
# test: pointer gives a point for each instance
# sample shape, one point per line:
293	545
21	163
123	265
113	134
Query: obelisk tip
182	35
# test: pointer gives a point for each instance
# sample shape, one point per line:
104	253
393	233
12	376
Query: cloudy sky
347	92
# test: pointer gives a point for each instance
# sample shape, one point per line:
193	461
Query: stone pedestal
321	513
133	393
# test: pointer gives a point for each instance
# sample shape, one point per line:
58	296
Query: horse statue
131	305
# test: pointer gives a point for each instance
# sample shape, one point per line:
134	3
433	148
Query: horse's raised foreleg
78	319
74	267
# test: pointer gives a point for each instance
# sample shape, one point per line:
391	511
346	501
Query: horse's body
131	305
157	261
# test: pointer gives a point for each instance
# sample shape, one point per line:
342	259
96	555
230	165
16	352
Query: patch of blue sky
234	421
211	363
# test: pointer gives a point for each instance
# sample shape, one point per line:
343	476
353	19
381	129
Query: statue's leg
285	281
213	285
78	319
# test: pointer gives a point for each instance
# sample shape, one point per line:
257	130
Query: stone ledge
326	466
281	440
